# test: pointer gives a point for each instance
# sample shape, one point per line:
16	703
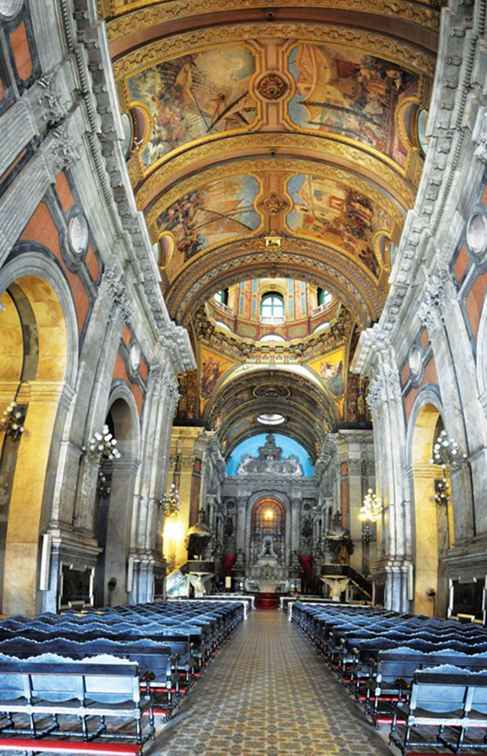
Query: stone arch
43	344
115	498
430	525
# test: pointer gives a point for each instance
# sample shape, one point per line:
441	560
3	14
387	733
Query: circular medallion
272	391
134	357
272	86
10	8
415	361
477	233
78	234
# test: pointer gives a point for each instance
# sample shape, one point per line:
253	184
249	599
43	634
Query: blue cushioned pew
94	681
392	662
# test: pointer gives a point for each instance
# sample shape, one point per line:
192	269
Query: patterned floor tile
268	693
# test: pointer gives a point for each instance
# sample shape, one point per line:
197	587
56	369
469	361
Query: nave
268	692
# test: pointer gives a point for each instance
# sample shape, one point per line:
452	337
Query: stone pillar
440	313
385	401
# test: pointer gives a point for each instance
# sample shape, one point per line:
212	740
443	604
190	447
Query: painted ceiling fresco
291	121
350	93
212	215
195	96
334	212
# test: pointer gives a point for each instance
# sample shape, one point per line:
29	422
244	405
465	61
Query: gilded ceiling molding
402	53
256	167
163	12
294	350
323	148
306	259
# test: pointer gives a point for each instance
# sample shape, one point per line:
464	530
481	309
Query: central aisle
268	692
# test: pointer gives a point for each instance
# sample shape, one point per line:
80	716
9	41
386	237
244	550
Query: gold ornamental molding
143	15
317	149
289	167
403	53
305	258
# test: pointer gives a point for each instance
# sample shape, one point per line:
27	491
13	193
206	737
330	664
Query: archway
268	529
432	522
33	363
114	500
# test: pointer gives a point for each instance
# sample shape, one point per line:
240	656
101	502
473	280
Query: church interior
243	378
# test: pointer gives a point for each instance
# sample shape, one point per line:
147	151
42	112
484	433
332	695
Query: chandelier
170	501
371	508
102	445
446	452
12	421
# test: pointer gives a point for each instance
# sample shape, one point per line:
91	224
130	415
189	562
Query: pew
51	702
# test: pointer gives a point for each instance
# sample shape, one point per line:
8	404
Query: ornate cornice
164	12
326	148
295	350
382	204
403	53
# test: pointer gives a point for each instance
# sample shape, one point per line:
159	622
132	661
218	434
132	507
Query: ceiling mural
332	211
274	141
211	215
194	96
331	369
350	93
212	368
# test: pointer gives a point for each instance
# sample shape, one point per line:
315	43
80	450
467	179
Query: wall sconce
12	421
447	455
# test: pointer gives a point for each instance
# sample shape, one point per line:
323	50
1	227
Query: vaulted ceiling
274	138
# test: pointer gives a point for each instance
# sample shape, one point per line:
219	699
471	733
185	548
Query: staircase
339	577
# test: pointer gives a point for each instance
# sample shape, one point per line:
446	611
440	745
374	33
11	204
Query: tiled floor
268	692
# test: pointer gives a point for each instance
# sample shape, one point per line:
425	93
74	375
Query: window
323	296
272	308
222	297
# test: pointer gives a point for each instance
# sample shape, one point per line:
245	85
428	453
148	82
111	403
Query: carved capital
61	152
54	107
431	309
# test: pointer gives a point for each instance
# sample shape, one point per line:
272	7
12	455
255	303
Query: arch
115	498
279	499
43	351
432	526
301	259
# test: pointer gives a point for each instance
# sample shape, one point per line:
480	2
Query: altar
267	574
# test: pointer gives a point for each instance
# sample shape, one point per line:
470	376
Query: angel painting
333	376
